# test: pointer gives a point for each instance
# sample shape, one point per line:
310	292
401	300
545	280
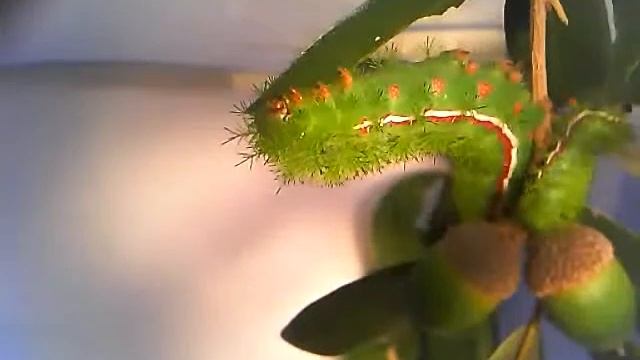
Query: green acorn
467	274
582	286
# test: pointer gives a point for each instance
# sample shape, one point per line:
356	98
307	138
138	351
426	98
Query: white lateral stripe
504	129
441	113
365	124
395	119
482	117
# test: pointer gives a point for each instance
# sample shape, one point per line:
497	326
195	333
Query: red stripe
507	146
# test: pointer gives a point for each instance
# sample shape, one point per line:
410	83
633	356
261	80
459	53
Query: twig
392	353
557	7
532	325
539	68
538	16
538	24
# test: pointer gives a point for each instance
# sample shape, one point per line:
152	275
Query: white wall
262	34
126	232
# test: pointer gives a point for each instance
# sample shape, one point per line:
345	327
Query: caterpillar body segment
474	114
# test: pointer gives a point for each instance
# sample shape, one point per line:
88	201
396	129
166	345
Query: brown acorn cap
487	255
567	258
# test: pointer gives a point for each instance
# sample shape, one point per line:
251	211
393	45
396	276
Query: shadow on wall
133	236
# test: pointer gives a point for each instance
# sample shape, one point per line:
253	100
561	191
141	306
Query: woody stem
538	22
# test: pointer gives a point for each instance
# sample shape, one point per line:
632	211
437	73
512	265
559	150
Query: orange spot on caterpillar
346	80
437	85
394	91
573	102
506	65
294	96
321	92
471	67
278	107
515	76
484	89
459	54
517	108
363	126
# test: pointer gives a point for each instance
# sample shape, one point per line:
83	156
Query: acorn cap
567	258
487	255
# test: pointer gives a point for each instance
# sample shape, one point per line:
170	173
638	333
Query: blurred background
126	231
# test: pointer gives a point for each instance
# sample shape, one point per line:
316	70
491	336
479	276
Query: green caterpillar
556	195
478	116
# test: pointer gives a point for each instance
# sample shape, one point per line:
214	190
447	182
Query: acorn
583	288
465	275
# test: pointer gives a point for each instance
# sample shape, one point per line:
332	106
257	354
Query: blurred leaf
629	158
354	314
8	6
522	344
578	55
625	241
631	352
632	88
473	344
376	350
414	211
373	24
625	74
403	344
443	214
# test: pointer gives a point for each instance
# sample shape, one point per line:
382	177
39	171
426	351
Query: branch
532	325
538	23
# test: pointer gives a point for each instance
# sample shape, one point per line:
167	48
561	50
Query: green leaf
625	241
522	344
351	40
414	212
578	55
354	314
